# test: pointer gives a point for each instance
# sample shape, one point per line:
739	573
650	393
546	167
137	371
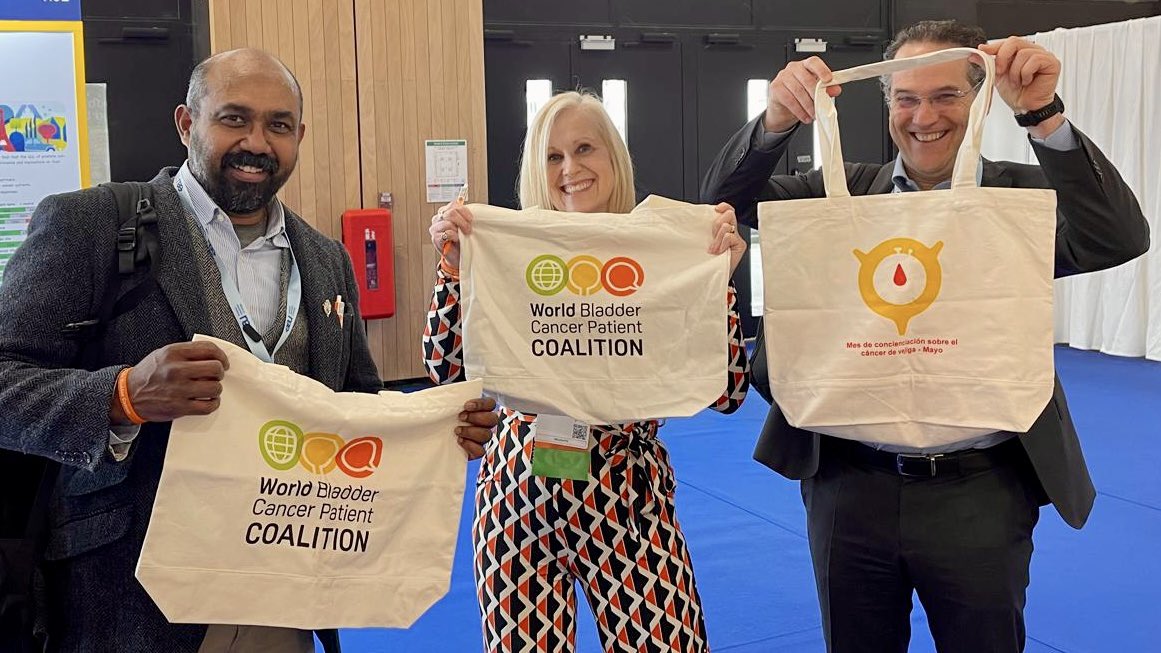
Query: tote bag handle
966	161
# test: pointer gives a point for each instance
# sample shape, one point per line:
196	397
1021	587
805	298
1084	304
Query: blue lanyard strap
249	333
234	295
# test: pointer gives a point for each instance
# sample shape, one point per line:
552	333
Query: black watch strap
1040	115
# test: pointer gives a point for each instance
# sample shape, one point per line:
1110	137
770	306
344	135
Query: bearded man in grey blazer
224	241
953	523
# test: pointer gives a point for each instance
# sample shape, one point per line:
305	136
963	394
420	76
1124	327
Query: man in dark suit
103	408
953	524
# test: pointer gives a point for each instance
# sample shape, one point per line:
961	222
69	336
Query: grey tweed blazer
55	409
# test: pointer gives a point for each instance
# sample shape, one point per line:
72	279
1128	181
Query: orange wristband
451	272
123	397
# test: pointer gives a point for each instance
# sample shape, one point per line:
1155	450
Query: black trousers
961	540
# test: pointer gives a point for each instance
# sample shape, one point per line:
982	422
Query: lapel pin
327	307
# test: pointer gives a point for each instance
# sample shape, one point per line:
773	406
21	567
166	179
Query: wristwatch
1040	115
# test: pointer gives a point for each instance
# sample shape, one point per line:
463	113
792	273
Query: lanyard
234	295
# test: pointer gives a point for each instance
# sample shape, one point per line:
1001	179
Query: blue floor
1096	590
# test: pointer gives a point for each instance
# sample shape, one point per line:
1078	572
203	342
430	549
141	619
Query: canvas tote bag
295	506
604	318
914	319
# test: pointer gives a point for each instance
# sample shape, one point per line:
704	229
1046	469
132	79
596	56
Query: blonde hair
533	186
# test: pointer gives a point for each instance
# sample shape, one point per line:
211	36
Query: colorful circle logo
319	452
622	276
546	274
584	275
281	444
360	458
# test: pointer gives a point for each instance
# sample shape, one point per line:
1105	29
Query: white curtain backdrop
1111	87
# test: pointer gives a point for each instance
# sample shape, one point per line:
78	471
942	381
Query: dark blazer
1098	225
55	409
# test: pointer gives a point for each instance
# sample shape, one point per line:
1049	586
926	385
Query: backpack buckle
126	239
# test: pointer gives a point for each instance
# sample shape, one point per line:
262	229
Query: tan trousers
256	639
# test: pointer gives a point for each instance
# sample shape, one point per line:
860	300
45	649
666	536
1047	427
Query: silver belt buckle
900	460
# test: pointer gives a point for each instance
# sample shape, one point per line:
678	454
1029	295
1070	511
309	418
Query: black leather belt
929	465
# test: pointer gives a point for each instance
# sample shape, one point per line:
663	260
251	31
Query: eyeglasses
942	100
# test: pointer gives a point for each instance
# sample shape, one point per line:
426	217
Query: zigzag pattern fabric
442	343
616	534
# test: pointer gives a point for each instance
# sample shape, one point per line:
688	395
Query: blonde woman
616	533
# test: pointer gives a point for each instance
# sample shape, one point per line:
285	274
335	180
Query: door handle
504	36
139	35
726	40
653	39
863	40
658	37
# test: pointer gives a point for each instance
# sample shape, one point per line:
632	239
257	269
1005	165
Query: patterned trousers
616	534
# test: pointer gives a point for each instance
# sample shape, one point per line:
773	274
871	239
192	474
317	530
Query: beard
233	196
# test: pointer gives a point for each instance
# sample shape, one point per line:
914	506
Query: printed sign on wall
43	145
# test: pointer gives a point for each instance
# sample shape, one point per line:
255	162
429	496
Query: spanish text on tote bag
915	319
299	507
604	318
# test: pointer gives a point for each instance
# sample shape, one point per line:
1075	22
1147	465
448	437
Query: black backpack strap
127	196
136	249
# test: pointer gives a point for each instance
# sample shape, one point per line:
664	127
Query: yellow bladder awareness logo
900	278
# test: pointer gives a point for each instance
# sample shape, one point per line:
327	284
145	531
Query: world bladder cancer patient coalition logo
584	275
900	278
284	445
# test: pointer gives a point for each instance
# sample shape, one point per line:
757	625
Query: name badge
560	447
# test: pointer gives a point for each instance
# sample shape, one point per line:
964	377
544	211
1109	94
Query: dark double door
685	93
651	73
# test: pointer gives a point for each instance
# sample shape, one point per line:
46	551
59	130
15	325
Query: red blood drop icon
900	275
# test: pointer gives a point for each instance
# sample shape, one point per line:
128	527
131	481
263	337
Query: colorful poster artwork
28	127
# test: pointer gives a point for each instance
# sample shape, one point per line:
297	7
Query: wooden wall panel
326	181
421	76
378	77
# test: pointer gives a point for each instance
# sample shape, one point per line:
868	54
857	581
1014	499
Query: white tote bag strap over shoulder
968	158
